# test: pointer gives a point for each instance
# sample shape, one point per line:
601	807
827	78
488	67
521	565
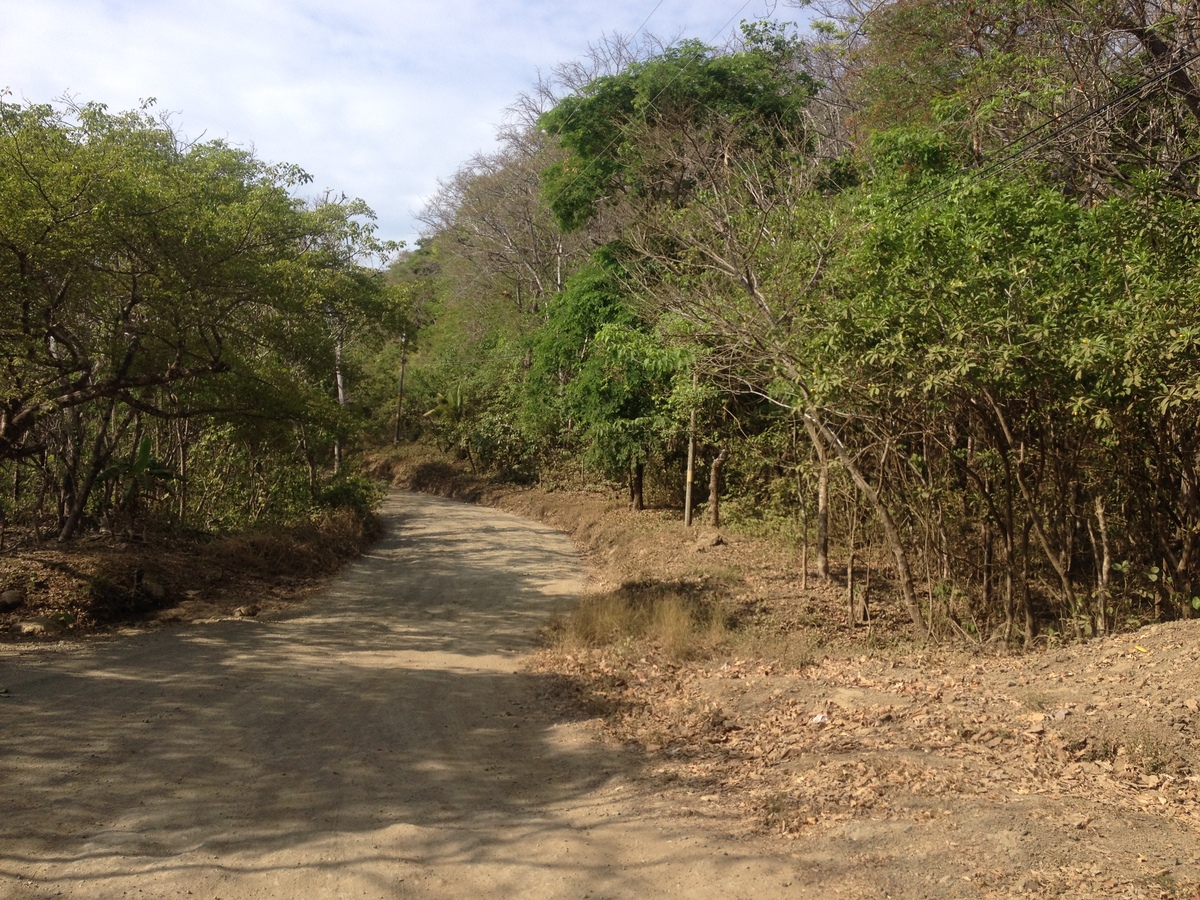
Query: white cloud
378	99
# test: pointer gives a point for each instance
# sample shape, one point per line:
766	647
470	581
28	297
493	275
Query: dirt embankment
104	581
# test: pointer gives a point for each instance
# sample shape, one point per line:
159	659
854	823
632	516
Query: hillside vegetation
918	284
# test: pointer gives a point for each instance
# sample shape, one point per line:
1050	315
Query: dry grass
310	549
678	618
785	650
1144	747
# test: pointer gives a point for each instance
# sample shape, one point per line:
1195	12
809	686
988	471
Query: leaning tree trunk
102	451
890	530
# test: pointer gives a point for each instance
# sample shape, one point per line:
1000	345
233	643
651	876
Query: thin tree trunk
1026	597
339	375
1057	561
183	428
637	481
851	562
691	466
714	493
822	500
803	531
400	389
890	530
1104	565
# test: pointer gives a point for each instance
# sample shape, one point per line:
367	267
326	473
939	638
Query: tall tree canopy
146	277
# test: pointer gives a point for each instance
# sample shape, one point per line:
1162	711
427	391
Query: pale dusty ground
886	768
377	741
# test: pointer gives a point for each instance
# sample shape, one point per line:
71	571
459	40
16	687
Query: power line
647	19
1006	162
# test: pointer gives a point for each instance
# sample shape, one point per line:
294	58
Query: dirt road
377	742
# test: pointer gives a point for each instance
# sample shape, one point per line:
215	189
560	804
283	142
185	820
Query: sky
373	99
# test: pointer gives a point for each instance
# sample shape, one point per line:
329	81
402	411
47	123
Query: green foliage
596	366
913	154
154	290
592	298
353	492
621	132
961	287
138	476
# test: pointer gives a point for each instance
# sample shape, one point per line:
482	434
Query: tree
143	277
651	133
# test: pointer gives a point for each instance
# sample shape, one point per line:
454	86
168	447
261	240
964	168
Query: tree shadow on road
380	732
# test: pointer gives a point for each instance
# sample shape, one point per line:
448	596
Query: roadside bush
357	493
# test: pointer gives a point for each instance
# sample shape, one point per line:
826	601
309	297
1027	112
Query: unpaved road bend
379	741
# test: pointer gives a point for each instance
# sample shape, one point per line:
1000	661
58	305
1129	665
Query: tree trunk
851	561
1057	560
183	428
339	375
691	463
714	484
637	480
803	531
822	500
1026	597
691	466
890	530
102	451
400	389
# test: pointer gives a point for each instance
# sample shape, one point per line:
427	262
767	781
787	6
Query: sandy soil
378	740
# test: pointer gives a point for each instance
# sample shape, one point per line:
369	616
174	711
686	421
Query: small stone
12	599
246	612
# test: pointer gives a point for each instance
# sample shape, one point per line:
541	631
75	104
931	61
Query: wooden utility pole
691	462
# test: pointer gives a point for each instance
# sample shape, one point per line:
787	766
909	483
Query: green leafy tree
152	285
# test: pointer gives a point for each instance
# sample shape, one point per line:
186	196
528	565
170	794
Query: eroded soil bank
928	771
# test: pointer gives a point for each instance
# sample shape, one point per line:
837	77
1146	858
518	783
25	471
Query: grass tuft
677	617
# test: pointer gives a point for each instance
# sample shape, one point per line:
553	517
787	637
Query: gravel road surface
376	741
